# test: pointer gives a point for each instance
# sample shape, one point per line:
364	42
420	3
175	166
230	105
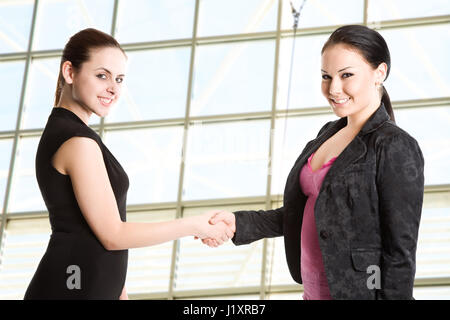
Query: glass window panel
24	245
306	80
233	78
323	13
25	193
247	16
420	62
227	266
151	158
15	21
290	139
40	96
156	86
402	9
429	126
433	249
5	151
149	267
227	160
11	76
62	19
143	20
432	293
277	270
285	296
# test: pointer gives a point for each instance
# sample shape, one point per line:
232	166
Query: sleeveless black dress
75	264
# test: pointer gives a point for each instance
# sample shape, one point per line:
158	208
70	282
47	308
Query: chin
103	114
103	111
340	113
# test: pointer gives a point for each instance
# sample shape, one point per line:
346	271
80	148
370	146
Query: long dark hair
77	51
371	45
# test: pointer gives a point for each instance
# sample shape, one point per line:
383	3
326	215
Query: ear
381	72
68	72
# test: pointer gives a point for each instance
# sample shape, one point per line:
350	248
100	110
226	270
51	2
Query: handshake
215	227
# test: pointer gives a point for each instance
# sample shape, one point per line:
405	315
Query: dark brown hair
77	51
371	45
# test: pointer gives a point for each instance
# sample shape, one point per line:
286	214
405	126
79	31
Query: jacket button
324	234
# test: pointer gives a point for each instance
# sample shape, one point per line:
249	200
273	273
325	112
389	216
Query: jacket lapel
354	151
293	189
357	148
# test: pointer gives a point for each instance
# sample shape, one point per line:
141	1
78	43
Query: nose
113	87
335	87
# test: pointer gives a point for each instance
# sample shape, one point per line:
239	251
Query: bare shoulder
75	152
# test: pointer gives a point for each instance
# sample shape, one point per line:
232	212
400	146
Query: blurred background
204	123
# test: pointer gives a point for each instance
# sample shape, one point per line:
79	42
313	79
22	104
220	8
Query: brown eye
101	76
326	77
347	75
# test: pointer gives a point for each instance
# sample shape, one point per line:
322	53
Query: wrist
192	226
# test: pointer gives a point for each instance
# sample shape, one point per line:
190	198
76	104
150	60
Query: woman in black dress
84	187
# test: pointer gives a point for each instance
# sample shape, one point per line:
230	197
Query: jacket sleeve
400	183
255	225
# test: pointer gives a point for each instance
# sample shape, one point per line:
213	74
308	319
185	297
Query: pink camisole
312	270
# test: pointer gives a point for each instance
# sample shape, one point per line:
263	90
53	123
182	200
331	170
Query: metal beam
18	123
261	115
179	209
268	205
268	35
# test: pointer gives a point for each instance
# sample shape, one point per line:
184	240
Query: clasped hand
220	226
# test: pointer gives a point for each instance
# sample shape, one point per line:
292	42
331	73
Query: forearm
137	235
255	225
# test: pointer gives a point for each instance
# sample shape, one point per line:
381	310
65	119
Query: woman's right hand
218	233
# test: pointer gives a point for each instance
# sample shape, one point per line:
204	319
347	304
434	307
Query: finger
212	243
229	232
225	235
224	216
219	216
219	241
211	214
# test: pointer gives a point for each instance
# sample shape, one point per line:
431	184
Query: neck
69	104
357	120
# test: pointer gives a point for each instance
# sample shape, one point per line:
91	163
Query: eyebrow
338	70
102	68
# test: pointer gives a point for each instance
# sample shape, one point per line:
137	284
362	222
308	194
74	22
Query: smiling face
97	84
349	82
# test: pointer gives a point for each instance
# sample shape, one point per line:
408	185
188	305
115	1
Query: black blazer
367	211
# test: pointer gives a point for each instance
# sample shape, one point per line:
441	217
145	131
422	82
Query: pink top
313	273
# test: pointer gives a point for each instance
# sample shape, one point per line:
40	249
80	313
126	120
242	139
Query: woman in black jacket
367	209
